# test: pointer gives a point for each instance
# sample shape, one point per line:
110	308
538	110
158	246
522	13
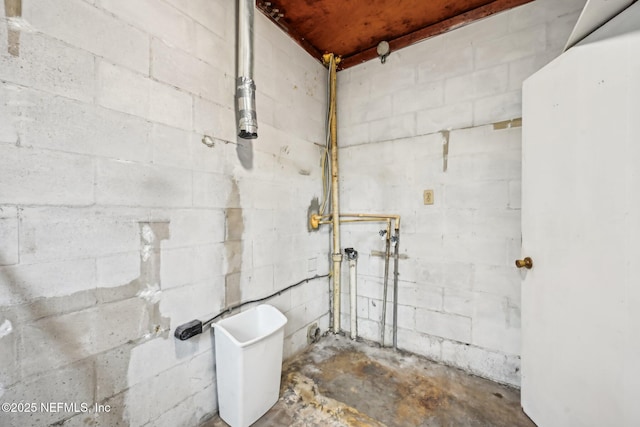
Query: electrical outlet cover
428	197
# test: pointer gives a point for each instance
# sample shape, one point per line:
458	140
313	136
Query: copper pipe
335	200
354	220
375	217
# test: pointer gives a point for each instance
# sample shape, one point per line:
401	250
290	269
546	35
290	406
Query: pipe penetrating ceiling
353	28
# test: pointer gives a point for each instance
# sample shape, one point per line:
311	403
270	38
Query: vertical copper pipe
335	200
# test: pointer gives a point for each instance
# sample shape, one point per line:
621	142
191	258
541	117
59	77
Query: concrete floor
338	382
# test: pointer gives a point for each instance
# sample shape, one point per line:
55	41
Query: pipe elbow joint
314	221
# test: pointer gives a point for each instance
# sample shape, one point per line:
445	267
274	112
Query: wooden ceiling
353	28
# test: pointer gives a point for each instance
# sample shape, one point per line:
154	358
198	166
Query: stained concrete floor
338	382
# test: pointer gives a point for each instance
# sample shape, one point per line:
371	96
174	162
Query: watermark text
53	407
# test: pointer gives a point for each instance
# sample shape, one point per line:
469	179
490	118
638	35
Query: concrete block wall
118	224
459	292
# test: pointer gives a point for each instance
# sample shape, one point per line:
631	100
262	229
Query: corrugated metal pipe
245	86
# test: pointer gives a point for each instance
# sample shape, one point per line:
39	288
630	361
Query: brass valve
314	221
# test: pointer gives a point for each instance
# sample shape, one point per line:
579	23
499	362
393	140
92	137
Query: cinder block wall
459	292
118	224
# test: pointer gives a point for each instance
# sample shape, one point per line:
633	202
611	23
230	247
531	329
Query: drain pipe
330	60
352	256
245	86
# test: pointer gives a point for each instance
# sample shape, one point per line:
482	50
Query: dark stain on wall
76	366
233	245
314	208
151	234
13	9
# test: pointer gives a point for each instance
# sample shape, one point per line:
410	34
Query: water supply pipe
396	256
335	218
385	285
330	60
245	86
352	256
315	220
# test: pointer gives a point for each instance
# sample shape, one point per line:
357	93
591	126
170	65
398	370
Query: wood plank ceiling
353	28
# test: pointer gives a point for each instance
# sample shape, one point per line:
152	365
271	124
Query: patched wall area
444	115
117	223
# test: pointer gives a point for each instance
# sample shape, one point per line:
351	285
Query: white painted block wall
459	292
117	224
101	117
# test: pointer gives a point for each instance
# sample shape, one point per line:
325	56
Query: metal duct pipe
245	86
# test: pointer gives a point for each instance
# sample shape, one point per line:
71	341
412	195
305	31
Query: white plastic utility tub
249	363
